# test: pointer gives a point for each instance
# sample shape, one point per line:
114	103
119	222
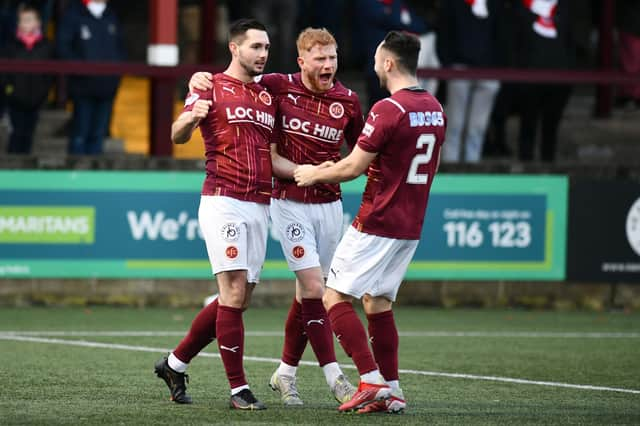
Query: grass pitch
95	366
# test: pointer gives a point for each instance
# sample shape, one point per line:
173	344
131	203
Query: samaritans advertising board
145	224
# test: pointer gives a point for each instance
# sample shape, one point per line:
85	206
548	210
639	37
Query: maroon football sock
295	340
316	324
201	333
230	330
383	335
350	333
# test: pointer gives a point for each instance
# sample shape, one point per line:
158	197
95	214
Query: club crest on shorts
265	97
336	110
298	252
231	252
230	232
295	232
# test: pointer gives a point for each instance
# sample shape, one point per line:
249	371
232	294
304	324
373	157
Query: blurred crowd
529	34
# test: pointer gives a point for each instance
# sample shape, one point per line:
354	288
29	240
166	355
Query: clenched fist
200	109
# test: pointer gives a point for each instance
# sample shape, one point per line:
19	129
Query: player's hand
201	81
200	109
304	175
325	164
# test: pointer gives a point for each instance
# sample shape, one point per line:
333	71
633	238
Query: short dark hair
25	7
239	28
405	47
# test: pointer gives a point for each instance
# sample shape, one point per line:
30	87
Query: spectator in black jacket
90	31
7	31
25	93
543	40
374	19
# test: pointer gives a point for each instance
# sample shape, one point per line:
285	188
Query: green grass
55	383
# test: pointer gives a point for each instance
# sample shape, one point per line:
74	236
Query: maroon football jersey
237	133
311	130
406	130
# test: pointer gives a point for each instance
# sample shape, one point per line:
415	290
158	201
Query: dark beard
250	71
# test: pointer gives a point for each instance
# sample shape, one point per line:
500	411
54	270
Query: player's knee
234	297
312	289
247	300
375	305
332	297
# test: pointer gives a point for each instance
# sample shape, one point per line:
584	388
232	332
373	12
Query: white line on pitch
84	343
509	334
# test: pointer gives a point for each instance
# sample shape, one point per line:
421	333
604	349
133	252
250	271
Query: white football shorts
308	233
235	233
370	264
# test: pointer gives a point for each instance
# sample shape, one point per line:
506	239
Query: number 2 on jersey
414	177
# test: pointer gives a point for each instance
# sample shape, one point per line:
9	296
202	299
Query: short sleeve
379	125
273	82
196	95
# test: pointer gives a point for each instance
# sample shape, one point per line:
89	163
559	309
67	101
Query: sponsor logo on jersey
231	252
293	98
373	115
368	129
316	130
229	89
426	119
295	232
242	114
298	252
633	226
265	97
193	97
230	232
336	110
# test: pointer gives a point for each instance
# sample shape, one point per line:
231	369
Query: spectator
280	17
544	40
505	103
7	31
90	31
468	36
428	57
375	19
25	93
628	23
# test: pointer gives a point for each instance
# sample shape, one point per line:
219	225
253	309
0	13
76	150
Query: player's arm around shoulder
186	123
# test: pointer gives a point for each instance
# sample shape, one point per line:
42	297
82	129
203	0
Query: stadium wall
577	209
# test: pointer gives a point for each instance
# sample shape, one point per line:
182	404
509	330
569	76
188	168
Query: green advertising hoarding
144	224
